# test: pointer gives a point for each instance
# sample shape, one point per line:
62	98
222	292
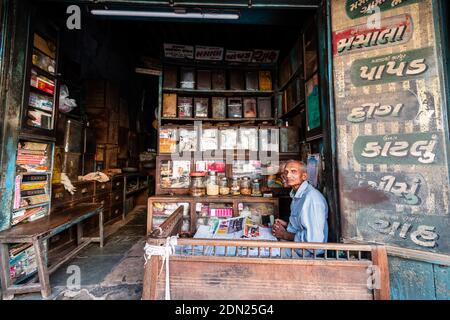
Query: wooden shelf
292	77
219	92
44	72
46	203
218	120
219	64
136	190
316	137
294	111
41	109
33	174
43	53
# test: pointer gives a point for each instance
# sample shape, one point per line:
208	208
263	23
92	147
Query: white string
165	252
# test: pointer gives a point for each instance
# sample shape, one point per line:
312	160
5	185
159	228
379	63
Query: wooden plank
20	289
410	254
379	258
151	273
50	224
44	279
203	280
5	278
275	261
274	244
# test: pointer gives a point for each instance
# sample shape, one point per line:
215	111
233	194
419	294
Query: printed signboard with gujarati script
391	127
208	53
178	51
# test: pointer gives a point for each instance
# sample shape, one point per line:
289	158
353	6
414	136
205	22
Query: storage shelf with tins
199	210
41	88
212	92
221	139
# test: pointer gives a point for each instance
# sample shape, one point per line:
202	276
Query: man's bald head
294	173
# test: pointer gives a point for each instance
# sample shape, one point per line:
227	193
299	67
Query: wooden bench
36	233
342	272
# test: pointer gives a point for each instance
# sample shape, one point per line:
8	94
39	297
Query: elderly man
309	209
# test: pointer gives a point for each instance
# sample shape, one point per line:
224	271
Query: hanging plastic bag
66	105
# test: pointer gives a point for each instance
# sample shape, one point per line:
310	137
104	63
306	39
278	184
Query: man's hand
281	222
281	233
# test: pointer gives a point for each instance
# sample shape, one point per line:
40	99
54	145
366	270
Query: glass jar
198	188
224	190
256	191
212	185
246	187
235	187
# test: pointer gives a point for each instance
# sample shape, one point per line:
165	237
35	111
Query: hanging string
164	252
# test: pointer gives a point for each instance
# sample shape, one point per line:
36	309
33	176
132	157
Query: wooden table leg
5	278
44	279
100	228
79	233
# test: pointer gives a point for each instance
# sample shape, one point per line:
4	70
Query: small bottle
256	191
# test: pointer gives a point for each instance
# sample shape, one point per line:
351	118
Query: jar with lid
212	185
235	187
246	188
198	188
256	191
224	189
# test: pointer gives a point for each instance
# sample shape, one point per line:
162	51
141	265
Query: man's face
294	175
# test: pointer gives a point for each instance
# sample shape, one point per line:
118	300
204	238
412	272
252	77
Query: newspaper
240	228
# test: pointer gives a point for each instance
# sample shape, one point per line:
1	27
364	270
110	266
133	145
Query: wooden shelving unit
35	151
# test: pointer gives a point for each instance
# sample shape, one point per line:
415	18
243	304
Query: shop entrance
127	93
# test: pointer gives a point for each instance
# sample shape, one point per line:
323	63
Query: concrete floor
114	272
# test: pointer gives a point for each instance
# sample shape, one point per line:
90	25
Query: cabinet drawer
116	211
116	197
102	187
83	189
104	200
117	184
